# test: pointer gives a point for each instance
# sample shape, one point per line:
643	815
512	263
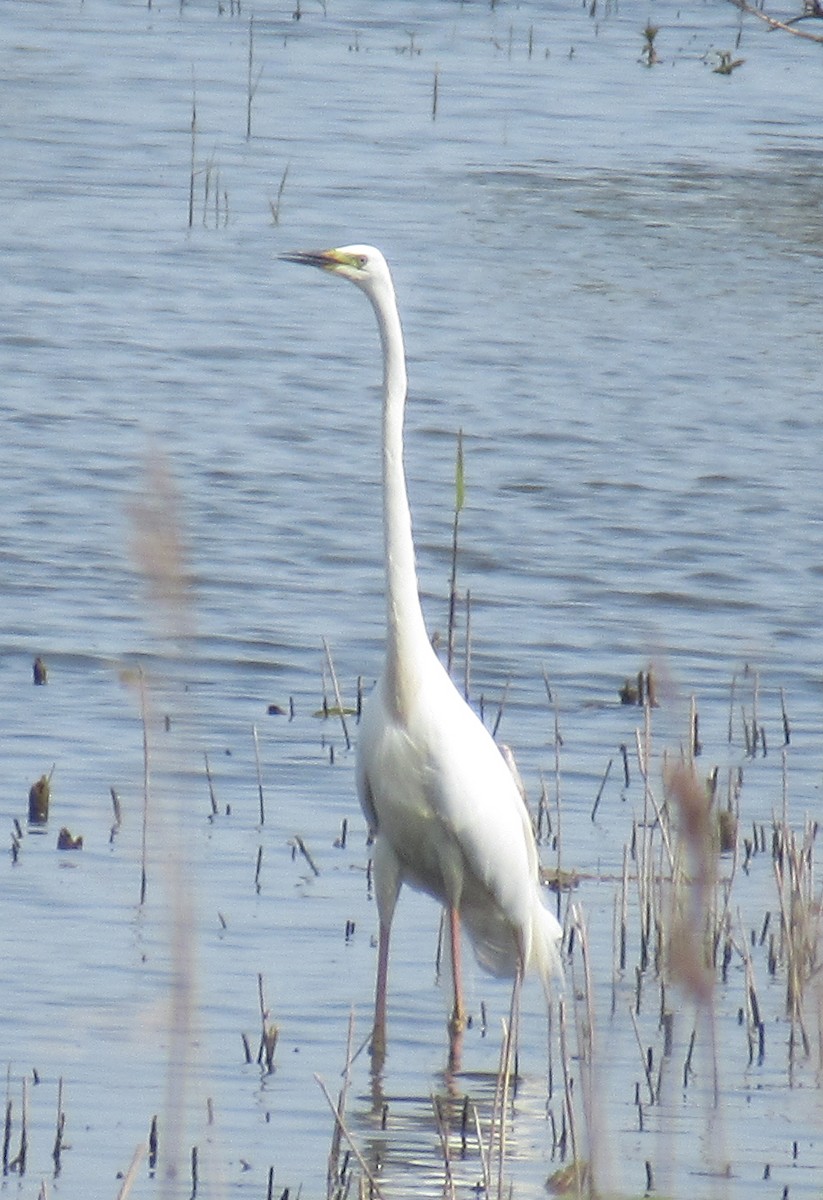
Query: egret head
363	265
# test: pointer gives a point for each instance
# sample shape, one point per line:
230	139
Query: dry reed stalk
459	500
304	850
624	912
800	912
20	1162
644	1059
755	1029
259	775
131	1174
442	1127
695	747
785	718
193	156
600	790
773	23
586	1054
730	728
471	1107
568	1106
146	788
337	699
251	87
374	1191
500	708
210	781
467	657
7	1128
333	1174
506	1067
61	1125
274	205
558	745
504	1078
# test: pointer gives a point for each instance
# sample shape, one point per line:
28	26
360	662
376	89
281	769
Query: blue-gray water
610	279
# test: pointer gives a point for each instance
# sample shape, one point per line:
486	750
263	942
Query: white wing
444	803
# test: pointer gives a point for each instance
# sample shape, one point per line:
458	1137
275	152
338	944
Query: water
610	280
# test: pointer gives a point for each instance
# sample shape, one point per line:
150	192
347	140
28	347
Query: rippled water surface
610	279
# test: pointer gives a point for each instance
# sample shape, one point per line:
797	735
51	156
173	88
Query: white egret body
444	809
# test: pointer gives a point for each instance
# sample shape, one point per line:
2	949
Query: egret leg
378	1042
457	1024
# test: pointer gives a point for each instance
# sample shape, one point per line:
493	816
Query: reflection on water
609	278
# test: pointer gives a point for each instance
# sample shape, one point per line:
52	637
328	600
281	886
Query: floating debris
40	672
65	840
727	64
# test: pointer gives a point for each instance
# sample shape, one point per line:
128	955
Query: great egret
442	804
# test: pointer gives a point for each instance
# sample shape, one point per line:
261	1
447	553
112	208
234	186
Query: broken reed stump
39	795
67	841
40	672
640	691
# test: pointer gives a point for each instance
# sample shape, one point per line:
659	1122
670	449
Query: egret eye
362	260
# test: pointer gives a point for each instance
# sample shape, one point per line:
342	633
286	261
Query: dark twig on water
301	846
773	23
210	780
259	775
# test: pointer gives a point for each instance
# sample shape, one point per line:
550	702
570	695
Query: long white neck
406	637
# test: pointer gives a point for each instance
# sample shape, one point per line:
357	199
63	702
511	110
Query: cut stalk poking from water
141	683
7	1137
61	1125
600	790
210	780
274	205
193	161
259	775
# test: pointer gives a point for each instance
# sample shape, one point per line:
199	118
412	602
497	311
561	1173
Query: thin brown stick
131	1173
337	699
443	1135
364	1167
773	23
